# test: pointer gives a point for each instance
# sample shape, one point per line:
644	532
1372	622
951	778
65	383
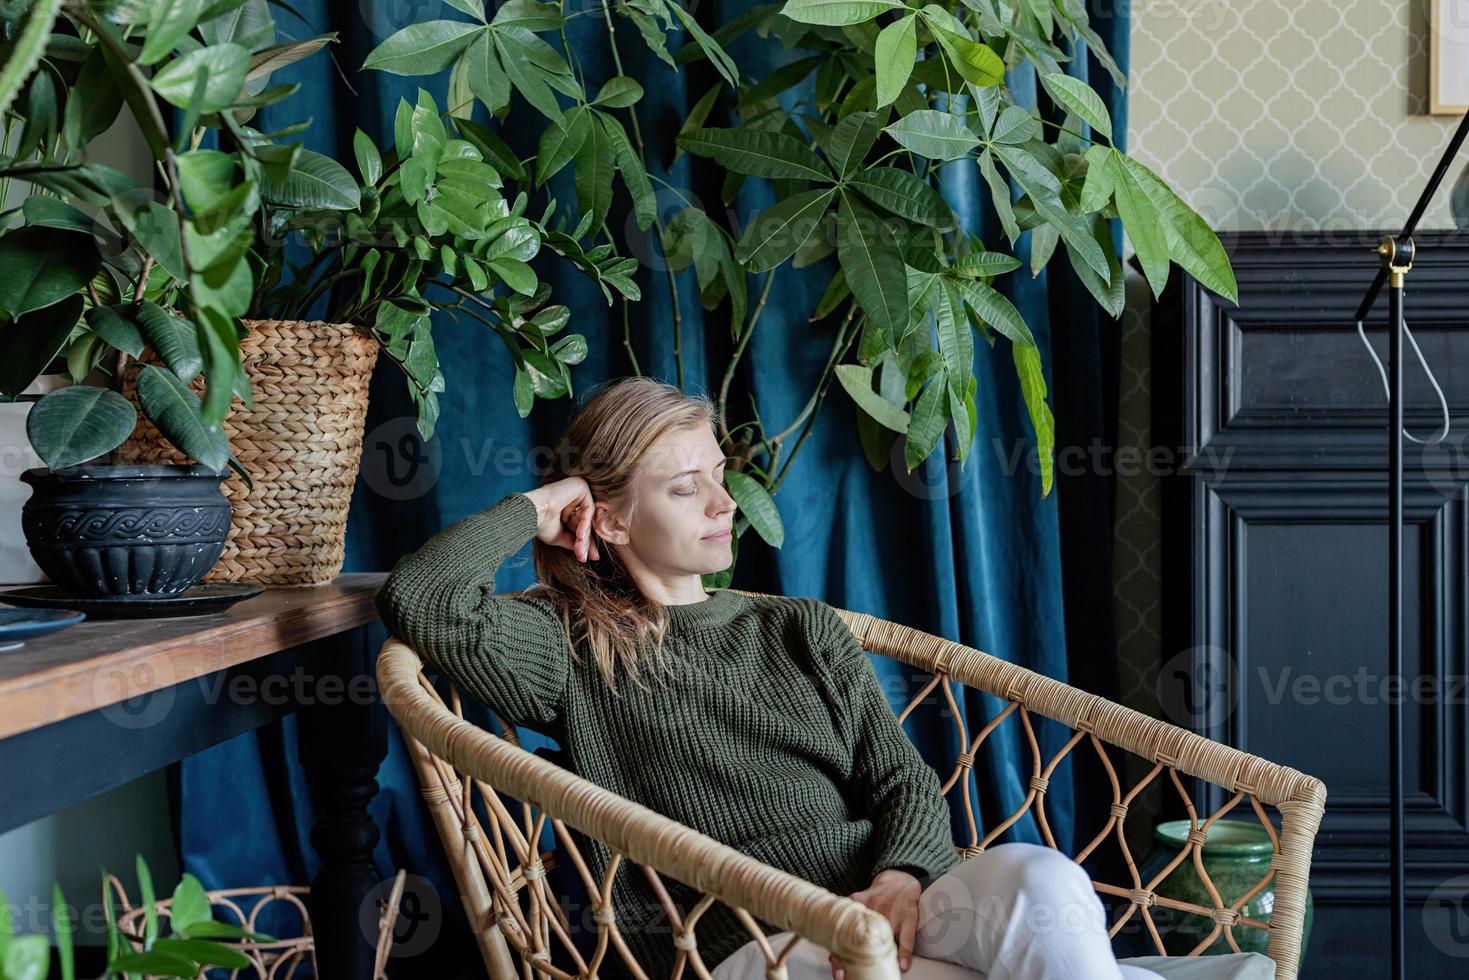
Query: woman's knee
1041	872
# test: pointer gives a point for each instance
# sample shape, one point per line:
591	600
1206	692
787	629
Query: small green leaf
62	928
976	63
1142	222
1100	177
897	49
369	160
222	68
1000	195
424	48
902	193
834	13
561	141
51	212
154	964
712	49
775	235
74	424
985	265
934	134
517	275
32	341
1078	97
857	380
852	138
619	92
1033	388
1191	242
756	152
40	266
206	177
178	414
168	22
926	427
994	309
26	958
873	265
315	181
202	951
190	904
756	506
174	338
114	324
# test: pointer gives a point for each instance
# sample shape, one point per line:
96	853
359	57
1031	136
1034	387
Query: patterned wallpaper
1281	116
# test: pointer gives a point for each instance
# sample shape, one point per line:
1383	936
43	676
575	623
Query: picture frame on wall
1448	58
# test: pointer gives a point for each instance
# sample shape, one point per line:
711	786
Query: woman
764	727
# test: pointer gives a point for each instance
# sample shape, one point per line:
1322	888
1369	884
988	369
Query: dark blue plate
19	625
205	597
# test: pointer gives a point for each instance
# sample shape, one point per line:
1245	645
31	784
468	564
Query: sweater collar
716	610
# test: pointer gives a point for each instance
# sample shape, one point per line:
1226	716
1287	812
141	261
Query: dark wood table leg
343	728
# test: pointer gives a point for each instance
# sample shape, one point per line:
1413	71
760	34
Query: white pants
1014	911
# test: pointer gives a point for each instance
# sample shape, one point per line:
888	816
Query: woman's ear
609	524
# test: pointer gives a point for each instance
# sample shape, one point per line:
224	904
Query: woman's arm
508	651
912	830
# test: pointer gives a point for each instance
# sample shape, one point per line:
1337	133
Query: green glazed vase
1236	855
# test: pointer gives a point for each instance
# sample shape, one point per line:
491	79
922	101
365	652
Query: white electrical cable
1382	371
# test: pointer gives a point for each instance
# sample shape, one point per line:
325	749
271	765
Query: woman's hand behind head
565	516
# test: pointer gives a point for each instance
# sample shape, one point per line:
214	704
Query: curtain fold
976	554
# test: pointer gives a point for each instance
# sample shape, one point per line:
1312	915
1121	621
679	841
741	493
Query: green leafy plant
433	230
897	92
96	269
188	949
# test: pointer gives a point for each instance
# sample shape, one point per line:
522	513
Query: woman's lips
721	536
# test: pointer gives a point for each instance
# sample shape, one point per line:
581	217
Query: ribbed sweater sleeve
911	823
509	652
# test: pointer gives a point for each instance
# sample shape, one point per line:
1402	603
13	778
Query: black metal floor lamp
1396	253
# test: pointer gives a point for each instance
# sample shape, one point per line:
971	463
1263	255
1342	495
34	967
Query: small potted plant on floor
102	277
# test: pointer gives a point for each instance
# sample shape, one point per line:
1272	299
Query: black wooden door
1275	551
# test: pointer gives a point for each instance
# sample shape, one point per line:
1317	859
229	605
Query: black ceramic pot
147	529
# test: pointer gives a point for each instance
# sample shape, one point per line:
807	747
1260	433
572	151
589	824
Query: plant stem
745	335
838	349
632	355
637	132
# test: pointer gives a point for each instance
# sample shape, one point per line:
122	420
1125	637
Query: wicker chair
502	875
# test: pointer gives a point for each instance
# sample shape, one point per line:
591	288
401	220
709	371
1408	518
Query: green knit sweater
774	737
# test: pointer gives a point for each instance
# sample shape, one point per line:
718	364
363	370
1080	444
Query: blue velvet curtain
973	554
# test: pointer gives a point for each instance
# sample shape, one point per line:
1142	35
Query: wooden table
106	701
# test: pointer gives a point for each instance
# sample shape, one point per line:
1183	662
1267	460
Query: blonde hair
604	441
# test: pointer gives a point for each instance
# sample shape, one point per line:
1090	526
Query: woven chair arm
862	937
1152	738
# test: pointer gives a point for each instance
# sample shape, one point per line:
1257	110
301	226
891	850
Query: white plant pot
16	456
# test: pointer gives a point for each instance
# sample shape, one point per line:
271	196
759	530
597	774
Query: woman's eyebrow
689	472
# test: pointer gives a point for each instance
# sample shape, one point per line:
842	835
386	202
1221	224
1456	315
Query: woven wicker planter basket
302	443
